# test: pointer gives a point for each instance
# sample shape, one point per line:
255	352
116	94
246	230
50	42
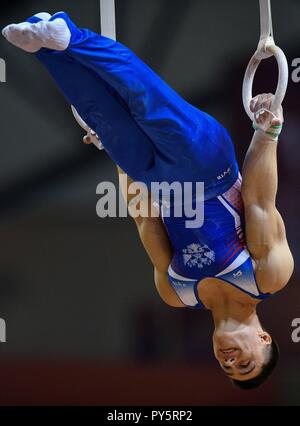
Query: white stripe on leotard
178	277
236	216
242	257
249	286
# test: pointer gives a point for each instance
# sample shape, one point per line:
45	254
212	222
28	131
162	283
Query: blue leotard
156	136
217	249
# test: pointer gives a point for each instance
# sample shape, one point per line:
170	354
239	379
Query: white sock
53	35
43	15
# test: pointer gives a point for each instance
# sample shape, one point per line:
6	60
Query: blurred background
84	322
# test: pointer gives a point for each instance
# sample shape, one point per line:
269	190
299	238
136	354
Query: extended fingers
262	116
261	101
261	105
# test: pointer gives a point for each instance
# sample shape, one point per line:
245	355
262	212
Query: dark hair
266	372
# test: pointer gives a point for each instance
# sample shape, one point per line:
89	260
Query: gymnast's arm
155	239
265	229
150	227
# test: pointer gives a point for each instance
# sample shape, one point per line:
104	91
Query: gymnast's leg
189	145
102	109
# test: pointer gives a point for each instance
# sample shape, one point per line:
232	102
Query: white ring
282	81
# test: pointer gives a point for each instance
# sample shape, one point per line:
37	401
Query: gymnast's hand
261	106
87	139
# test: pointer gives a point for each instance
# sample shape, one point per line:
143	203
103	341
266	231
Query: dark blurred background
84	322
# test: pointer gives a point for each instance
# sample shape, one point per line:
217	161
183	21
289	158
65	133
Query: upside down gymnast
240	255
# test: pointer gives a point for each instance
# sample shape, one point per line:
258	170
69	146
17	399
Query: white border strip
237	218
178	277
108	19
234	265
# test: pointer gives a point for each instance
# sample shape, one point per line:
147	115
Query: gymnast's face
242	353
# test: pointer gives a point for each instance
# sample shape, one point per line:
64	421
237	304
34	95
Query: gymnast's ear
265	337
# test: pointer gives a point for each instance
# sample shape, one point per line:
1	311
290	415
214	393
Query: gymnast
239	256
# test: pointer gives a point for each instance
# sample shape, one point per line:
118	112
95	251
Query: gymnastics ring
282	82
92	135
266	49
108	29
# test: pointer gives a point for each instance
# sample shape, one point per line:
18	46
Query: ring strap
108	29
266	48
266	25
108	18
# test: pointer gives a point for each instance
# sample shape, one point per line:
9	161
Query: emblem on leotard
197	255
